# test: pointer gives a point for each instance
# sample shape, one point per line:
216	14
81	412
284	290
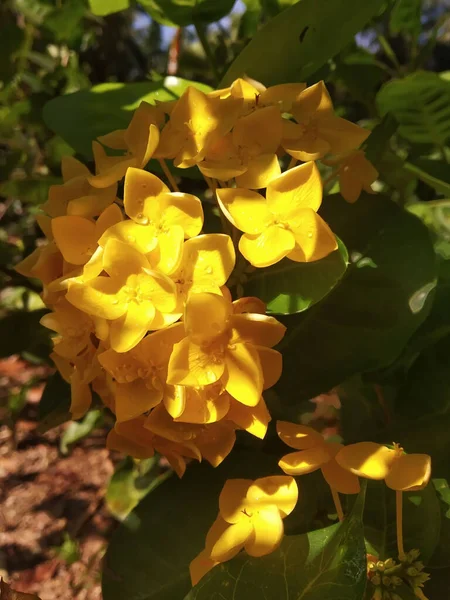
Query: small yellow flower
139	140
132	296
314	453
222	346
318	131
285	222
160	220
250	517
355	174
44	263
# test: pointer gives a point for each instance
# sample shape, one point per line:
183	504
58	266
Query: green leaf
55	404
327	563
21	332
406	18
81	117
421	521
290	287
32	191
421	105
365	322
378	140
294	44
435	173
102	8
77	430
187	12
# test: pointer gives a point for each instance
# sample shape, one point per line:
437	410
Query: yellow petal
157	347
112	171
259	132
282	95
206	316
131	444
114	140
142	134
231	541
271	364
350	187
245	209
210	257
305	461
232	500
250	304
367	459
99	297
109	217
312	101
81	396
202	406
294	190
267	248
75	237
192	366
142	238
409	472
216	441
339	479
121	260
306	146
135	398
243	378
174	400
71	168
277	490
223	170
127	331
267	532
253	419
167	255
258	329
94	266
300	437
314	239
260	172
341	135
201	565
157	288
140	194
182	210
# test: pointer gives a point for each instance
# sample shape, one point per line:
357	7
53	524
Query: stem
337	504
399	511
387	48
168	174
211	184
201	32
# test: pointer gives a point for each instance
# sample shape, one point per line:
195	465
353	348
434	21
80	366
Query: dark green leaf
364	323
187	12
77	430
328	563
301	39
106	107
406	17
106	7
20	332
435	173
290	287
421	105
55	403
378	141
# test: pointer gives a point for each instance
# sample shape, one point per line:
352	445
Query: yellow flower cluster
251	512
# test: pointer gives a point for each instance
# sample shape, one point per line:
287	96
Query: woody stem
399	511
169	175
337	504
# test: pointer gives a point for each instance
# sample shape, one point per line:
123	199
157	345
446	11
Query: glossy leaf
364	323
326	563
102	8
89	116
54	404
298	41
187	12
77	430
291	287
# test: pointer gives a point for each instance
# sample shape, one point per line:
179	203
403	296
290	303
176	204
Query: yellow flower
285	222
44	263
401	472
206	264
77	237
318	131
314	453
140	373
139	140
355	174
250	517
256	95
77	196
133	297
213	441
222	346
196	122
160	220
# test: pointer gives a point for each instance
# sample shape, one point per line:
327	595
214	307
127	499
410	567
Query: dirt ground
47	498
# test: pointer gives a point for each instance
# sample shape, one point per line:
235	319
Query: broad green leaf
421	105
77	430
378	141
290	287
187	12
421	521
435	173
20	332
406	18
327	563
439	564
55	403
365	322
102	8
81	117
294	44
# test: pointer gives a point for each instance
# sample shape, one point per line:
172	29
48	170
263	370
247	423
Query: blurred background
61	492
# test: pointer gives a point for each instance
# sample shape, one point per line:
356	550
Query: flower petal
109	217
99	297
174	400
267	248
277	490
341	135
216	441
243	377
190	365
206	316
201	565
114	140
202	406
409	472
135	398
121	260
259	132
253	419
183	210
282	95
314	239
315	100
128	446
209	257
140	194
232	500
260	172
75	237
245	209
268	532
271	364
305	461
261	330
231	541
142	238
307	146
300	437
367	459
339	478
167	255
81	396
295	189
71	168
129	330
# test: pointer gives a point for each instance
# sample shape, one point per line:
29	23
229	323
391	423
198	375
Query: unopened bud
389	563
386	581
395	581
412	571
380	565
376	580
